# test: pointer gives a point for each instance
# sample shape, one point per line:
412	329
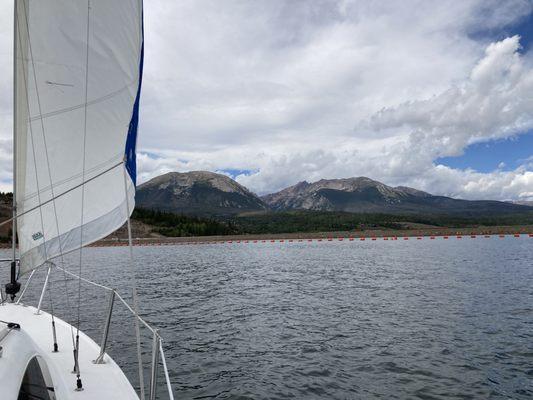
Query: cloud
495	102
6	88
295	90
492	102
502	185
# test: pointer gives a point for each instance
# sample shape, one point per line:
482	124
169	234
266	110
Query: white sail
78	74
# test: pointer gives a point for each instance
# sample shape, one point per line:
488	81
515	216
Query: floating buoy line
181	242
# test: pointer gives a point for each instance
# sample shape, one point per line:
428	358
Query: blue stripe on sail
131	140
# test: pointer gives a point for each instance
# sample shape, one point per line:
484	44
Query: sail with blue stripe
78	67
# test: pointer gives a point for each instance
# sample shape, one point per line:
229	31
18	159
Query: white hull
35	338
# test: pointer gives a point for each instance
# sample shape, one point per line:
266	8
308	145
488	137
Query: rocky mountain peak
181	180
199	193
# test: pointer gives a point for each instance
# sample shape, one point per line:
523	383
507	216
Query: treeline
176	225
6	238
6	200
321	221
313	221
173	225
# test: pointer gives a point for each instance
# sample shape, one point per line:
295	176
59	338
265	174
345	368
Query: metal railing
157	342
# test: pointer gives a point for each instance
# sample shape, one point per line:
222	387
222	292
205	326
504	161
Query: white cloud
503	185
495	102
300	90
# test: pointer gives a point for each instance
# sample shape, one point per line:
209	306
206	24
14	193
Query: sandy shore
366	234
526	230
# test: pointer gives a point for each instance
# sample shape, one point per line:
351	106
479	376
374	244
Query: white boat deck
100	381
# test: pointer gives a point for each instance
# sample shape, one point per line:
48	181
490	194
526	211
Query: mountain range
205	193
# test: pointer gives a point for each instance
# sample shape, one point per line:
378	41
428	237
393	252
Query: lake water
428	319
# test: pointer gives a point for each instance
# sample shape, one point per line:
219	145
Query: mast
14	191
13	286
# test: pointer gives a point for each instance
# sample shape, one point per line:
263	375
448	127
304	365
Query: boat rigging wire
79	385
39	105
134	284
33	145
63	193
31	127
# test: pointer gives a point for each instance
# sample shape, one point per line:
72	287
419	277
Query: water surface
430	319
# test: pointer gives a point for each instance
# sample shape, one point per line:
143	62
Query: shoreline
526	230
370	234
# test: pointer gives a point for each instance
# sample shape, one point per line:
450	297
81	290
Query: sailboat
77	84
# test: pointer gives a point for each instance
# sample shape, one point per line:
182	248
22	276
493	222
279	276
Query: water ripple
417	319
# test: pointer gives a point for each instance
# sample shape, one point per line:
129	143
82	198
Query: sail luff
131	141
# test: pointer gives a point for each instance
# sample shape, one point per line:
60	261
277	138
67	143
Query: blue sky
525	29
489	156
523	26
503	154
233	173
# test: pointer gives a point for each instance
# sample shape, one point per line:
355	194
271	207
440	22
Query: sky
437	95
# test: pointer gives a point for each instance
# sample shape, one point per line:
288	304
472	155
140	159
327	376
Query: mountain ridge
200	193
206	193
362	194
